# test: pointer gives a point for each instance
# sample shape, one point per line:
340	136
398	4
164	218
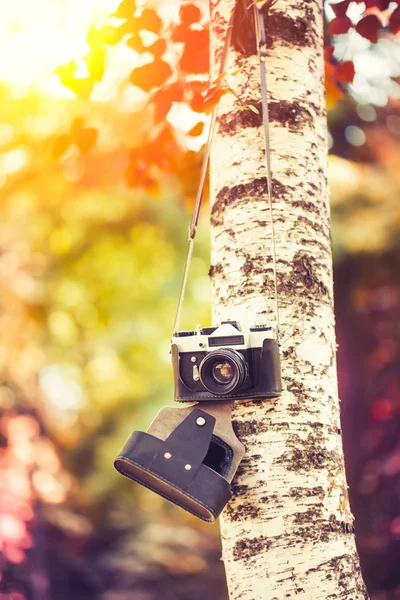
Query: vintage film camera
224	362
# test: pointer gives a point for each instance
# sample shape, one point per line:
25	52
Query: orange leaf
213	96
149	20
197	129
189	13
86	138
345	71
60	144
158	48
151	75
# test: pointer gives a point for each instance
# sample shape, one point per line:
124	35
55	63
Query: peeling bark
288	532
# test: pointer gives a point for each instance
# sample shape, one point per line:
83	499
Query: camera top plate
228	334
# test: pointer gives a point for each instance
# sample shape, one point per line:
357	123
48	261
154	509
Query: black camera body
226	363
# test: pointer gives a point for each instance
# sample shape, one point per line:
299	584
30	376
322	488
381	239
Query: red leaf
394	22
196	130
368	27
328	53
189	14
340	25
151	75
345	71
195	56
340	8
149	20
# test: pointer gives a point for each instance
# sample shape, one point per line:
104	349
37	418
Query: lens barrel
222	371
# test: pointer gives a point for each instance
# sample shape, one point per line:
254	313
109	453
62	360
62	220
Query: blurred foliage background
100	145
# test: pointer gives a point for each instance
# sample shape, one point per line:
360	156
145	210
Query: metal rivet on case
201	421
193	359
188	467
167	455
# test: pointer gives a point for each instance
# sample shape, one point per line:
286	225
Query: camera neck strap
262	55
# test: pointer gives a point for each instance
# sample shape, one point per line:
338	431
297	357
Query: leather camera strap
262	54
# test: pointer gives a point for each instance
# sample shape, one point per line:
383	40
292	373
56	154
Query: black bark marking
241	119
242	512
292	115
247	548
281	29
303	279
346	568
239	194
215	270
310	453
300	493
312	525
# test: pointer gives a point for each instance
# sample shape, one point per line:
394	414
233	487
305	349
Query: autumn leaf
81	87
340	8
345	71
195	56
60	145
333	92
136	176
180	33
196	102
196	130
213	96
328	53
85	139
158	48
368	27
394	21
340	25
105	35
125	9
135	43
189	13
164	98
149	20
96	62
151	75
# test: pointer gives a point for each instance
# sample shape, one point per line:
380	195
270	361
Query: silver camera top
228	334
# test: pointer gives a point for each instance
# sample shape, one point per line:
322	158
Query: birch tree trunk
288	532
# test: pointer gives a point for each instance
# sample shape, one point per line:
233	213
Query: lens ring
222	372
228	357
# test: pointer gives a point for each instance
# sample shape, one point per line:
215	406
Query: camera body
226	363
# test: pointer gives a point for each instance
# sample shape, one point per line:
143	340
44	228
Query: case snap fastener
188	467
201	421
167	455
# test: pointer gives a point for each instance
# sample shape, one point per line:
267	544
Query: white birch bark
288	532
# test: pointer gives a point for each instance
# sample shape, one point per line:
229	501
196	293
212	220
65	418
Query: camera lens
222	371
